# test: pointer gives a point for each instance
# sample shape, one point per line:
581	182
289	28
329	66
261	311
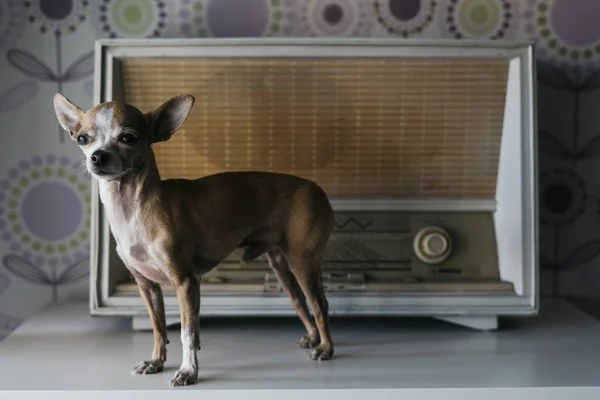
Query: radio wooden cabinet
426	149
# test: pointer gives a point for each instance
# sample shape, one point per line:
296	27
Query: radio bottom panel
381	252
496	288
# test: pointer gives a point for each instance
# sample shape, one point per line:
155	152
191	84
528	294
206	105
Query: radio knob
432	245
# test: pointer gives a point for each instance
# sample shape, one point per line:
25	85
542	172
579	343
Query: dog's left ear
68	114
169	117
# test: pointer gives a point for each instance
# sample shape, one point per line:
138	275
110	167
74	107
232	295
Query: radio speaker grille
364	129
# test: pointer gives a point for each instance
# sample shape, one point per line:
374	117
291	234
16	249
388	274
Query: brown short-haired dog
173	231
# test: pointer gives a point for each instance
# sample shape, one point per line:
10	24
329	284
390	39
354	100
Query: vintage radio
425	148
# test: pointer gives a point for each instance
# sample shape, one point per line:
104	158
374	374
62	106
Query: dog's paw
183	377
310	340
322	352
148	367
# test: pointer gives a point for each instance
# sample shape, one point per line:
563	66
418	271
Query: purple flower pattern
45	220
337	18
405	18
59	17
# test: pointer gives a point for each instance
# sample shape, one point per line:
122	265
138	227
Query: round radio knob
432	245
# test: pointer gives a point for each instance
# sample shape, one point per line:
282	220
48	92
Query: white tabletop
64	349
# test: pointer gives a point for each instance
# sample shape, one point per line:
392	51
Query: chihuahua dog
174	231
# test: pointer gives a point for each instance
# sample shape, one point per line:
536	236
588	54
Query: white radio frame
515	206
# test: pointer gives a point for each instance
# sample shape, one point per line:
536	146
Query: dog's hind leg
306	266
280	266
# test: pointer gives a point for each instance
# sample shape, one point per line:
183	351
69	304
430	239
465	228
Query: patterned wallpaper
46	47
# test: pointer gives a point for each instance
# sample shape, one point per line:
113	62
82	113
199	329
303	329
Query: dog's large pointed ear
68	114
169	117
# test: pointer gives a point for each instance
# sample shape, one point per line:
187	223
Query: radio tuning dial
432	245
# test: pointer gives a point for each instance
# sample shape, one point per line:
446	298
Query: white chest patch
134	246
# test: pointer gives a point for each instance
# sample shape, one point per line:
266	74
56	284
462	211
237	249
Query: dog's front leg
151	293
188	296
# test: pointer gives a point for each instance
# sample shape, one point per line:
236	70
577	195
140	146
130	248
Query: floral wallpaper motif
260	17
46	46
337	18
564	197
45	220
566	32
17	95
11	23
7	322
57	18
405	18
479	19
134	18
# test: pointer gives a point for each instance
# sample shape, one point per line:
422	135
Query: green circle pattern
481	19
133	18
197	8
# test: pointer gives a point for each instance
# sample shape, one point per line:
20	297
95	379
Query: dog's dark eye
82	140
128	138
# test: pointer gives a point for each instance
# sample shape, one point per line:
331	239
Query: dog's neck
134	190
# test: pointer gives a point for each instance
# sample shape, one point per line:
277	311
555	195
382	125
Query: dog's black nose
99	157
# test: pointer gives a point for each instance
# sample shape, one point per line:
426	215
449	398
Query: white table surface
63	349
